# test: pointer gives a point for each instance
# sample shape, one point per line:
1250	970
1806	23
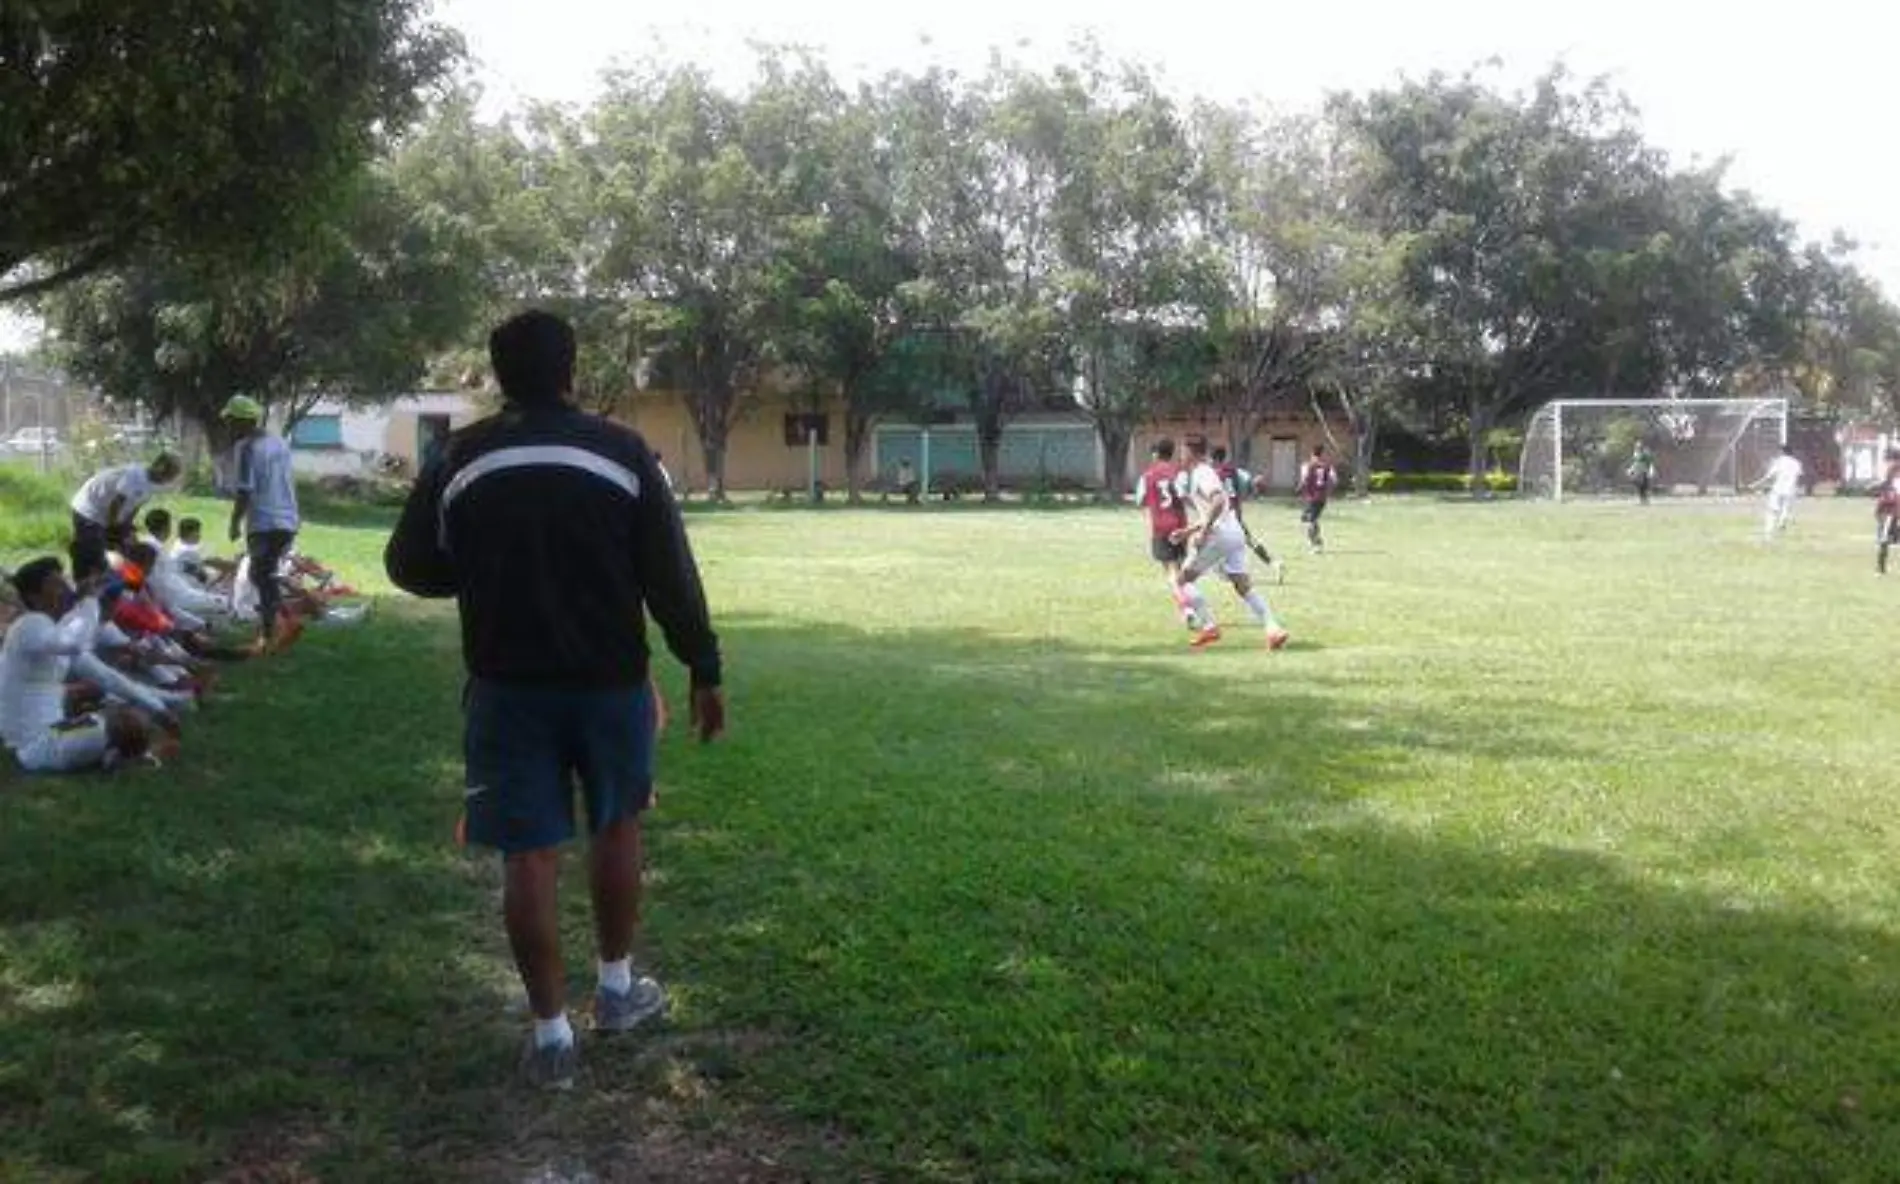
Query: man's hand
708	713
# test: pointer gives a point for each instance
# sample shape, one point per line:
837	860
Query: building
780	441
336	439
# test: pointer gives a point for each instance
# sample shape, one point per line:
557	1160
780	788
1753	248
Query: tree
188	126
1268	208
1514	215
697	190
1128	274
845	313
354	316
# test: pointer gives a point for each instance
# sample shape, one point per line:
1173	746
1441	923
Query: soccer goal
1586	447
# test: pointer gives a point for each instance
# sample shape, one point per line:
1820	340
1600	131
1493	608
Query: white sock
617	977
1203	611
549	1033
1257	604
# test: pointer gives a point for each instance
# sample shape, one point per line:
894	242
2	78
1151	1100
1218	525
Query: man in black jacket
555	532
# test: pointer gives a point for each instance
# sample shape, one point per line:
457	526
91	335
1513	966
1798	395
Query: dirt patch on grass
277	1155
662	1110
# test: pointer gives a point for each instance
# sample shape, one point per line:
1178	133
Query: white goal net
1595	447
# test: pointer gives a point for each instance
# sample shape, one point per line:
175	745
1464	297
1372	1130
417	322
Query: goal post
1575	448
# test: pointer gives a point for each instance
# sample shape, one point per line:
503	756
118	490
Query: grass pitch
1559	845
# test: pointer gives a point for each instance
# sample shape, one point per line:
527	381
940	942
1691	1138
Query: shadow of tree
973	909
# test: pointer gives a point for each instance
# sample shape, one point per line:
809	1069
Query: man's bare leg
534	928
616	856
622	1001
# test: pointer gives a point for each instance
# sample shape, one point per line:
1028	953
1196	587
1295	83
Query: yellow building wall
400	436
757	456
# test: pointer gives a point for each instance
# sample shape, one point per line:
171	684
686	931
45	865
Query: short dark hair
1197	445
189	526
31	576
1219	454
159	522
1164	448
143	554
533	357
1319	450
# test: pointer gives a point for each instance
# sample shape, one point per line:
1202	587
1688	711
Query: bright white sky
1799	97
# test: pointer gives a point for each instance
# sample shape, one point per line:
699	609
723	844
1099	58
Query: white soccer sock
557	1031
1258	605
617	977
1202	610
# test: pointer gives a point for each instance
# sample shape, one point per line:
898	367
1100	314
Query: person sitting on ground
144	613
42	648
188	554
176	593
106	507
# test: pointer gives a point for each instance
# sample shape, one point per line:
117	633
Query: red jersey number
1160	497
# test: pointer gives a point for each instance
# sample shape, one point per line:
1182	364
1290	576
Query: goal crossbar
1747	412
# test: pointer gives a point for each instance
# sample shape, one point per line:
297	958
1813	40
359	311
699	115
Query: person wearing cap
106	509
556	533
265	514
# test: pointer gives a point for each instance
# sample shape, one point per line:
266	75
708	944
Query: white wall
366	431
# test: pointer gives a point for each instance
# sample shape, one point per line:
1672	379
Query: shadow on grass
980	910
1067	915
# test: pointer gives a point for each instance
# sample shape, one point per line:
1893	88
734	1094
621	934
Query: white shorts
1226	548
67	748
1780	503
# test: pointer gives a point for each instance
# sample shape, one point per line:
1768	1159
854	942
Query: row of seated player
102	671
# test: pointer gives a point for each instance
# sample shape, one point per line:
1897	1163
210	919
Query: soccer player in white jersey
50	641
1215	538
1783	482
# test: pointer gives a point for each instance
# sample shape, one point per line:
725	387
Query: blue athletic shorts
527	746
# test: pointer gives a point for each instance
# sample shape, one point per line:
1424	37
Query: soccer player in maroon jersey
1161	493
1317	478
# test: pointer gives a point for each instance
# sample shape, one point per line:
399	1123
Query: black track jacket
553	529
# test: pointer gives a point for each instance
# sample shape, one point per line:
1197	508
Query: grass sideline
1558	846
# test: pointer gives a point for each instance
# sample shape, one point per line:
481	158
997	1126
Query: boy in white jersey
1783	481
1215	537
42	647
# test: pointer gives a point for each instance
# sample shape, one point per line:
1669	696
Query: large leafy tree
1128	275
190	126
846	290
356	315
1515	213
1267	205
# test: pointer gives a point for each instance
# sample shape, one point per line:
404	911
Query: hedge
1389	482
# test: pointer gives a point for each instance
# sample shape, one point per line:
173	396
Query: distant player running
1887	511
1161	491
1783	480
1216	537
1317	480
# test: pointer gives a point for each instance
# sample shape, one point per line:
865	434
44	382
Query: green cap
242	407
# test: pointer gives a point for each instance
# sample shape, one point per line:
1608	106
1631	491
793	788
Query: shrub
1389	482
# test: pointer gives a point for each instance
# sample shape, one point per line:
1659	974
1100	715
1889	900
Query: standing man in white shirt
265	515
1214	536
105	510
41	648
1783	482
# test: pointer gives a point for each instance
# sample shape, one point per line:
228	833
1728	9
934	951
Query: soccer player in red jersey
1161	493
1317	478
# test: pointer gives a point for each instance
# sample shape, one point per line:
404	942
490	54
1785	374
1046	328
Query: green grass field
1561	845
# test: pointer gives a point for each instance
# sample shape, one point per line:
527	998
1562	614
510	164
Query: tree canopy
1440	255
192	125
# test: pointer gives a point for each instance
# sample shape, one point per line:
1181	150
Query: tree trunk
1481	422
989	447
857	433
1115	441
1365	442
